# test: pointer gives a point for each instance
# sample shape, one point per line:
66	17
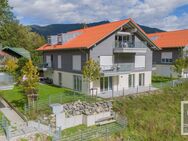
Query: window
60	79
49	40
166	57
131	80
77	83
141	79
59	39
105	83
123	40
140	61
59	64
76	62
49	59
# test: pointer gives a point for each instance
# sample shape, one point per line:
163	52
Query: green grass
154	117
156	78
47	94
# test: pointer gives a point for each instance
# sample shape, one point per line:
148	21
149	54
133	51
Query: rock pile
78	108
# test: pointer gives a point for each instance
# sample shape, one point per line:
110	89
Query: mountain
54	29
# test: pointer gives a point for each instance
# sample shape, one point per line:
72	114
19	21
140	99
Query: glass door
105	83
131	80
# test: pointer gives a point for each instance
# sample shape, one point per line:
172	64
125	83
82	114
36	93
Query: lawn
47	95
153	117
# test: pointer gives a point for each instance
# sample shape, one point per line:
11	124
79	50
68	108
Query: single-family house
174	45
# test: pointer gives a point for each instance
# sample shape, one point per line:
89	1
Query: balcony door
106	83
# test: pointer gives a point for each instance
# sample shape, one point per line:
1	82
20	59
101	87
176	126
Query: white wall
67	80
64	122
164	70
121	82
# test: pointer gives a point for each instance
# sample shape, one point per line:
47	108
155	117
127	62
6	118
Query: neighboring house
122	49
173	45
17	52
3	56
13	52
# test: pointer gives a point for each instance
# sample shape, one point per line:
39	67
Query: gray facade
166	69
176	53
66	59
106	47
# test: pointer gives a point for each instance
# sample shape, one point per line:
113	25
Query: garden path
10	114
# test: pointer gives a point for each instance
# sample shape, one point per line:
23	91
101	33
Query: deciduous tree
91	71
30	81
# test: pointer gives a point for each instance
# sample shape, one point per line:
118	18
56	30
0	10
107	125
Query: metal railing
118	67
128	44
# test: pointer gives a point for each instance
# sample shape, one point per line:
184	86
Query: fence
172	83
42	105
104	131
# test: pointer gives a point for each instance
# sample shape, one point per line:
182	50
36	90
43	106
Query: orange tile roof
171	39
92	35
88	37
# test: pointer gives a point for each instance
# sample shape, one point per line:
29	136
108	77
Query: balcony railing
118	67
126	44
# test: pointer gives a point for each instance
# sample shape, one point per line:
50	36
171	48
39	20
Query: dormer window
49	40
59	39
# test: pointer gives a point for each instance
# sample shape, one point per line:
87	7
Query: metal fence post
123	91
106	133
50	131
137	89
25	109
81	138
59	132
49	100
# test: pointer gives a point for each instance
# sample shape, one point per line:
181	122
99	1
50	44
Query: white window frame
140	61
59	62
49	60
109	83
77	82
166	57
76	62
131	80
141	80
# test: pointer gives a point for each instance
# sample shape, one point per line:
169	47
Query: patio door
105	83
131	80
141	79
77	82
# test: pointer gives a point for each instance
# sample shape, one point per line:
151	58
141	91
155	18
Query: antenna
85	24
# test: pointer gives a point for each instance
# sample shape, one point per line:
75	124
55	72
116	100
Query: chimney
49	40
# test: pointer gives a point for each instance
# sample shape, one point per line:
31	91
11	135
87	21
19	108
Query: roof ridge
98	25
167	31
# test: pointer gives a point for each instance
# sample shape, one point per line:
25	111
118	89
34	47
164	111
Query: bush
156	78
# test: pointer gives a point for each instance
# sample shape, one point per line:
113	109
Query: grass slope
55	94
154	117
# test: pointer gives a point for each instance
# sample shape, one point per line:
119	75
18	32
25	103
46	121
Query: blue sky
163	14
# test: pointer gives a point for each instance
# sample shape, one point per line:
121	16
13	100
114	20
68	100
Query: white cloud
155	13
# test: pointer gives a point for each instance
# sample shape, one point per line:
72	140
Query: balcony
116	69
129	47
44	67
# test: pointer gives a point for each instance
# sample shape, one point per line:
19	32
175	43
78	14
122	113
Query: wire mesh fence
42	104
104	131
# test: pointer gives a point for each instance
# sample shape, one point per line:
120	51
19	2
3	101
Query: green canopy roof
20	51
